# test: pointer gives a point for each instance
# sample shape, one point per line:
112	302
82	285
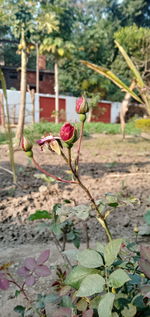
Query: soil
107	165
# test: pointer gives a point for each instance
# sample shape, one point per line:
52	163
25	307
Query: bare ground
107	165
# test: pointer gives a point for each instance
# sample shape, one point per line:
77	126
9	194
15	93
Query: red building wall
102	113
47	109
46	81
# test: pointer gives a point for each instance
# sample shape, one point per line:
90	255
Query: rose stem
79	145
99	217
48	174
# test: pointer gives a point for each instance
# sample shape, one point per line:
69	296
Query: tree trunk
37	68
2	111
32	96
8	129
21	118
124	108
56	94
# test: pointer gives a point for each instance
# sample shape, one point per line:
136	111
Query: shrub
143	124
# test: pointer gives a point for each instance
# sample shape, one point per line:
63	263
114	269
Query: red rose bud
68	133
82	105
26	144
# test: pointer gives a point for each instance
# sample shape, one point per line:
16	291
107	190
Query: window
41	77
13	75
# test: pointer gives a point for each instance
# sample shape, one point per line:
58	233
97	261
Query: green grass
39	129
36	131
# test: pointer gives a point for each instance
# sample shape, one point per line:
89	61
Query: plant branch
79	145
21	288
59	248
99	217
48	174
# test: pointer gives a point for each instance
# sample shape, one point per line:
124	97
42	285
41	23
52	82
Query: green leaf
131	66
81	211
52	298
67	302
138	301
17	293
95	302
129	311
40	214
111	251
144	230
76	243
20	309
106	305
55	228
118	278
110	75
147	217
90	258
93	283
77	274
99	247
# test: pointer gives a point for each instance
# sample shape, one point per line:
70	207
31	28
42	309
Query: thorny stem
60	250
64	241
87	236
21	288
99	217
48	174
79	145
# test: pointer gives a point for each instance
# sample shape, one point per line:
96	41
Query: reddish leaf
145	252
23	271
43	257
30	263
63	312
145	267
4	283
42	270
30	280
88	313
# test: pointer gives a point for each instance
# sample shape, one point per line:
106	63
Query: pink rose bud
82	105
26	144
68	133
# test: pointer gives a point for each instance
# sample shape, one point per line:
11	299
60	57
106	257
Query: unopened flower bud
136	229
26	144
82	105
113	290
68	134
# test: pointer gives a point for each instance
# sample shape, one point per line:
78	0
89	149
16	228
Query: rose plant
110	280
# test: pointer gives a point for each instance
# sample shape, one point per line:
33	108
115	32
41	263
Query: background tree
90	26
136	41
58	43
